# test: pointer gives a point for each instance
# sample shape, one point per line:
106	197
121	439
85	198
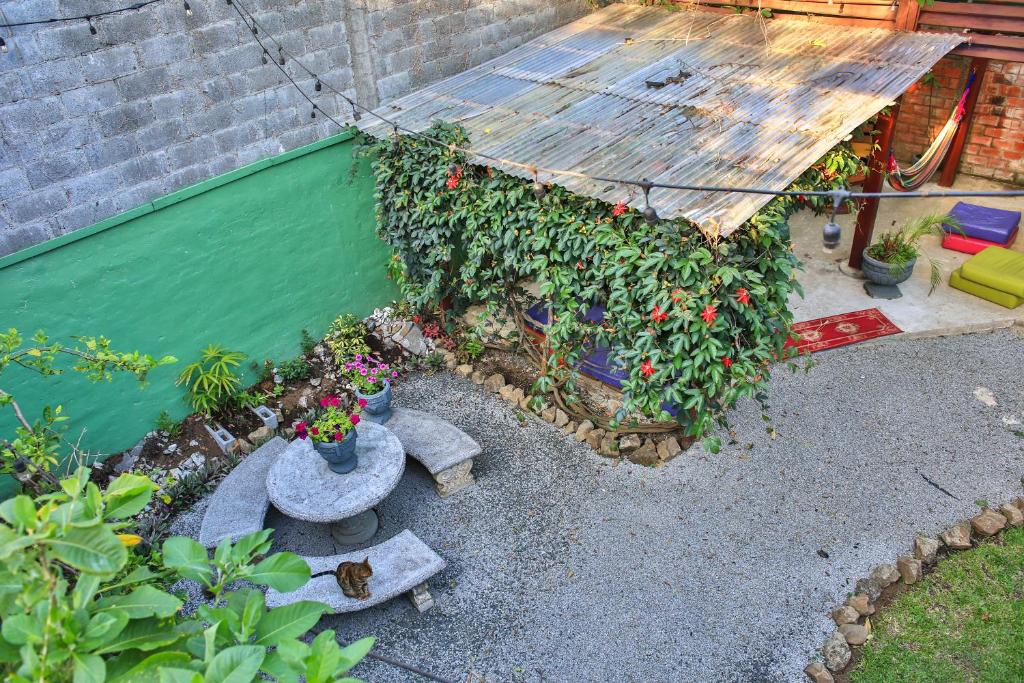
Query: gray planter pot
378	406
882	273
341	455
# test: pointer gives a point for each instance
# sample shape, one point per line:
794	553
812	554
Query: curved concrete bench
400	564
239	504
445	450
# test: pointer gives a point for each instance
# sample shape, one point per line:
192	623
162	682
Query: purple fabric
599	362
994	225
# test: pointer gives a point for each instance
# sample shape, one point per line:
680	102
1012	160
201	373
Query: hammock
905	180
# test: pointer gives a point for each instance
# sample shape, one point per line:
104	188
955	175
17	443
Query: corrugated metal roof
756	102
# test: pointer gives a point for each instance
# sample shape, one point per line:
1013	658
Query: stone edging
630	446
836	653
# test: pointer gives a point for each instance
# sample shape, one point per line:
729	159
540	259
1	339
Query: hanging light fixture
831	233
280	55
92	26
188	9
3	45
538	187
649	214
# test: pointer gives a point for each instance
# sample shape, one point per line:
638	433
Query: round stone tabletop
301	486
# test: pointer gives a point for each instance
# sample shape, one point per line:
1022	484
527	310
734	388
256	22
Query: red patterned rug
839	330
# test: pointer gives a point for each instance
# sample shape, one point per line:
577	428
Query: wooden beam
907	14
878	167
1002	54
952	161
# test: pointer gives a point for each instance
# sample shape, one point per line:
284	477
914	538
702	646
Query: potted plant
333	433
372	381
891	259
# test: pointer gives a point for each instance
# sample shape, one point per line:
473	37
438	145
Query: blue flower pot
378	406
341	455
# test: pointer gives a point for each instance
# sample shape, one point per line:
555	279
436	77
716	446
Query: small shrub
211	382
471	347
264	372
347	338
247	399
435	361
296	368
166	423
306	341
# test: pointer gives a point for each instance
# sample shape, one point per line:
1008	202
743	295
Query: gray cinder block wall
93	125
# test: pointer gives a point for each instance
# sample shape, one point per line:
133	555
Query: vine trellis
696	320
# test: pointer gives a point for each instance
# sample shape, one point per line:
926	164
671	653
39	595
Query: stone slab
301	485
239	503
437	444
399	564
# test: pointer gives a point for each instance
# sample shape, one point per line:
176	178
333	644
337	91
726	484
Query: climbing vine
696	321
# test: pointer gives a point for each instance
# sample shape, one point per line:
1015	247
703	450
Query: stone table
300	485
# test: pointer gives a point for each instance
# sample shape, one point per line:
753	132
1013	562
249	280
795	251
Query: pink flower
363	372
371	380
359	356
362	403
323	402
354	418
394	374
374	371
314	431
338	436
384	366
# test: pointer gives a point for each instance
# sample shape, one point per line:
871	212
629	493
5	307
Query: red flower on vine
726	361
619	209
709	314
454	178
657	315
743	296
647	368
677	295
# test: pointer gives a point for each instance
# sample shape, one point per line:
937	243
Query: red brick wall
995	142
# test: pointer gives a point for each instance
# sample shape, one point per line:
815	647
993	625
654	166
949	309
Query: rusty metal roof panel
687	97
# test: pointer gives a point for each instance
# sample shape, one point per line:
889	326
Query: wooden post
952	161
877	168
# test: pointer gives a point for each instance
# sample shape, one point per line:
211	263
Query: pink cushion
972	245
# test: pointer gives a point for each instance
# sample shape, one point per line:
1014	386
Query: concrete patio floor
567	566
831	287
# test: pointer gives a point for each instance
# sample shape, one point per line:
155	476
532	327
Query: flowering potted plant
333	433
372	381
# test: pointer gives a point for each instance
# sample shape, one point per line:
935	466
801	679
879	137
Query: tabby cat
352	578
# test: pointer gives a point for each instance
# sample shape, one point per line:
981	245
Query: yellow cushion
998	268
989	294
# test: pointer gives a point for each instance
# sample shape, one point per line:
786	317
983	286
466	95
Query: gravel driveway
567	566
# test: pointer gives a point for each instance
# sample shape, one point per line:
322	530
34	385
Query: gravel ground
567	566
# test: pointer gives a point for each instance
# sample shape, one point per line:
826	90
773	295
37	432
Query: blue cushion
994	225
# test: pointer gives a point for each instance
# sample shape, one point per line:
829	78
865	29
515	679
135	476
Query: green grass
963	622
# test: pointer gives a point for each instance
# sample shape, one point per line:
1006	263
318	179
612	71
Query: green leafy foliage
346	338
696	320
306	341
211	382
36	445
294	369
75	609
166	423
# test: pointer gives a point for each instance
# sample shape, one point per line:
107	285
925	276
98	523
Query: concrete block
35	205
125	118
52	78
90	99
146	83
23	237
221	436
106	65
111	151
166	49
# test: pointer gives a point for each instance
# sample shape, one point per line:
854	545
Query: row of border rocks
850	617
631	446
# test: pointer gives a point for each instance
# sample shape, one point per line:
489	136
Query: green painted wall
247	260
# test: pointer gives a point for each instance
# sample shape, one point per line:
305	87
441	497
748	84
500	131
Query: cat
352	578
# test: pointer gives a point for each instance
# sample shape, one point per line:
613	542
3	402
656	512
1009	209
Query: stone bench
400	564
239	504
445	450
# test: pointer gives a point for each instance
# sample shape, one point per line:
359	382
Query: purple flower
359	356
394	374
363	372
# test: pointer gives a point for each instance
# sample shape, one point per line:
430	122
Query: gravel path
567	566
